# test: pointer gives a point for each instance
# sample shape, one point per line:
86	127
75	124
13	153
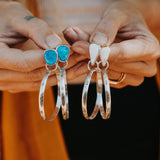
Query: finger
106	30
81	47
35	75
80	39
134	50
130	79
73	34
24	23
34	86
18	60
76	58
14	76
77	71
119	61
12	40
138	68
72	73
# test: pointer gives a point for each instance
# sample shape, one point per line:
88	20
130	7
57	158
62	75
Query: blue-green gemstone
50	57
63	53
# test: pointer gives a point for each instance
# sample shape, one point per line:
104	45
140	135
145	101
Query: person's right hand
134	49
23	69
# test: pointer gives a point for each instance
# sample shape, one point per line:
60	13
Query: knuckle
37	26
139	81
21	64
151	72
122	54
23	67
25	64
39	74
144	48
151	69
155	43
41	23
153	48
35	75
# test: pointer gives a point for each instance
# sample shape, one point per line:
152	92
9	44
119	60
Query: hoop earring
106	114
94	53
52	58
63	55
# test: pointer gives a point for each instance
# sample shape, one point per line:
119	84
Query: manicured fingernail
99	38
53	41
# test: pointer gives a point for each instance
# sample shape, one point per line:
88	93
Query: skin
23	40
135	54
134	49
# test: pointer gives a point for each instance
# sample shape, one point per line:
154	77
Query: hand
134	49
22	66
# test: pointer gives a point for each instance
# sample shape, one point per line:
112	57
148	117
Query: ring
121	79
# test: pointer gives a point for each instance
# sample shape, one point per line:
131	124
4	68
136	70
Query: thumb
34	28
74	33
105	32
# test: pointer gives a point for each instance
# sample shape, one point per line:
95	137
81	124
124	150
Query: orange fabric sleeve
25	135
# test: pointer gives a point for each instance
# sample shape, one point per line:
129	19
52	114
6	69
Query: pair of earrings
57	59
61	54
99	66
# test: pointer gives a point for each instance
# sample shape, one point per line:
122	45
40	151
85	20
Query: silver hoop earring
54	58
95	52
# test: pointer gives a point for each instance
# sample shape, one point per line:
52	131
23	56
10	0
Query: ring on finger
120	80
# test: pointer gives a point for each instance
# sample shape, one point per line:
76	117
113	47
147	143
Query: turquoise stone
63	53
50	57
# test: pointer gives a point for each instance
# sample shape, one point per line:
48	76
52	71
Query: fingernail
53	41
70	32
99	38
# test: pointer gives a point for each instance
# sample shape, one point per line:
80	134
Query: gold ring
121	79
